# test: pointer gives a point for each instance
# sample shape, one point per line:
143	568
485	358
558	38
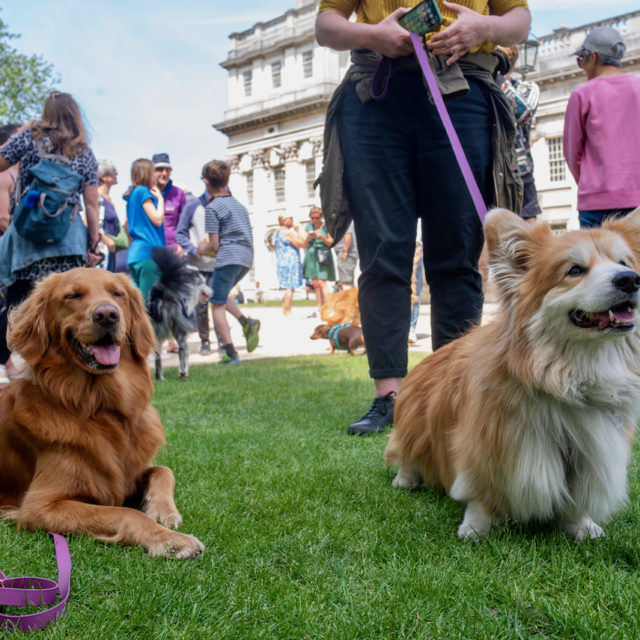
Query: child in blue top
145	219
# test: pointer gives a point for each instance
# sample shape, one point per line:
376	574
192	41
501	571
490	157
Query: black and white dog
171	302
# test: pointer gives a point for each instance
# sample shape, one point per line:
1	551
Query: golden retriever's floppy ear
139	332
510	247
28	331
629	227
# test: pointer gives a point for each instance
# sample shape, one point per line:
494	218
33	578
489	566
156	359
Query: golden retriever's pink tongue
107	355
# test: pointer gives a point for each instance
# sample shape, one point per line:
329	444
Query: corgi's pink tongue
107	355
605	318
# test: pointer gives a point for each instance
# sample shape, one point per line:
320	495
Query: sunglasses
582	56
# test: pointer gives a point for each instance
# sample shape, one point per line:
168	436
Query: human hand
179	251
204	249
469	30
156	192
389	38
93	258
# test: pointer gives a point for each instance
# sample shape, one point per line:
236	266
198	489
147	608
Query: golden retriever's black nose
627	281
106	315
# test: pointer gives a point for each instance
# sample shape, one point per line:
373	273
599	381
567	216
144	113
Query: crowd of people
212	232
158	214
320	264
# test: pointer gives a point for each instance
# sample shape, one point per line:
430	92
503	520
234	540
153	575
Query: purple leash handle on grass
467	174
30	591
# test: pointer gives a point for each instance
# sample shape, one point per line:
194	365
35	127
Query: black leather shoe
377	418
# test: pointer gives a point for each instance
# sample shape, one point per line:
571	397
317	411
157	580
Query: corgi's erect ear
510	247
629	227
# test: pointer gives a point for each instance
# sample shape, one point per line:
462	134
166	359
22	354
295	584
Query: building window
278	184
310	168
307	63
249	186
557	166
246	80
276	74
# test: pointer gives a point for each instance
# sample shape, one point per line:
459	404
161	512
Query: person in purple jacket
174	202
174	199
602	130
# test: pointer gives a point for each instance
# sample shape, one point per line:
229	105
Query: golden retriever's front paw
172	520
176	545
163	512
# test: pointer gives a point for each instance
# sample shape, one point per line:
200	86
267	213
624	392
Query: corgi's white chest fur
569	444
567	462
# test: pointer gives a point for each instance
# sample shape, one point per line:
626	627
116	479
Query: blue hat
161	160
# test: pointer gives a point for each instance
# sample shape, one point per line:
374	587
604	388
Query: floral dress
288	262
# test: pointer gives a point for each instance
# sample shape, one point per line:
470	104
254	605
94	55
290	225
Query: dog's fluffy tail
173	274
173	277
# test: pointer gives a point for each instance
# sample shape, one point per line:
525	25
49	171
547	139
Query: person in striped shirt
231	241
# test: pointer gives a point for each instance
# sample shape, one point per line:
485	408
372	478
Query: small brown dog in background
345	338
341	307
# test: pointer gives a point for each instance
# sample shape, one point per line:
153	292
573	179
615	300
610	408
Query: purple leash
37	592
467	174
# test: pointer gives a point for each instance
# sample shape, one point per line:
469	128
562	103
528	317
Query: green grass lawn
306	538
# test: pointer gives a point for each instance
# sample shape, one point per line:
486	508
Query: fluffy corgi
531	417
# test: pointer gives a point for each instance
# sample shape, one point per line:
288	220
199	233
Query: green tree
25	81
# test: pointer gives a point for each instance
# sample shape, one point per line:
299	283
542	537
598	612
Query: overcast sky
148	74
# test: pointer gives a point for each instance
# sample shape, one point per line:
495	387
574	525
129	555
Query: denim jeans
224	279
595	217
398	167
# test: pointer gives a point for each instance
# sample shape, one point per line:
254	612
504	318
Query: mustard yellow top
373	11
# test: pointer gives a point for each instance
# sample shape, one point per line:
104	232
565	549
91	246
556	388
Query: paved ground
284	336
289	336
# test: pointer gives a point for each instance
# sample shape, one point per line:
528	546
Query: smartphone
423	18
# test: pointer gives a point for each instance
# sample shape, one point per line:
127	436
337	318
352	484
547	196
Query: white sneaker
413	338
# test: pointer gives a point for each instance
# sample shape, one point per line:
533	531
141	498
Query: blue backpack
44	214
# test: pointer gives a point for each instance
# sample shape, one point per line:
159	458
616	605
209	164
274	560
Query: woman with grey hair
109	224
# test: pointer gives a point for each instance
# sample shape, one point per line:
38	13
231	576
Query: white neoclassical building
280	83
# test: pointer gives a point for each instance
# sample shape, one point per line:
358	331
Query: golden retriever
78	432
531	416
